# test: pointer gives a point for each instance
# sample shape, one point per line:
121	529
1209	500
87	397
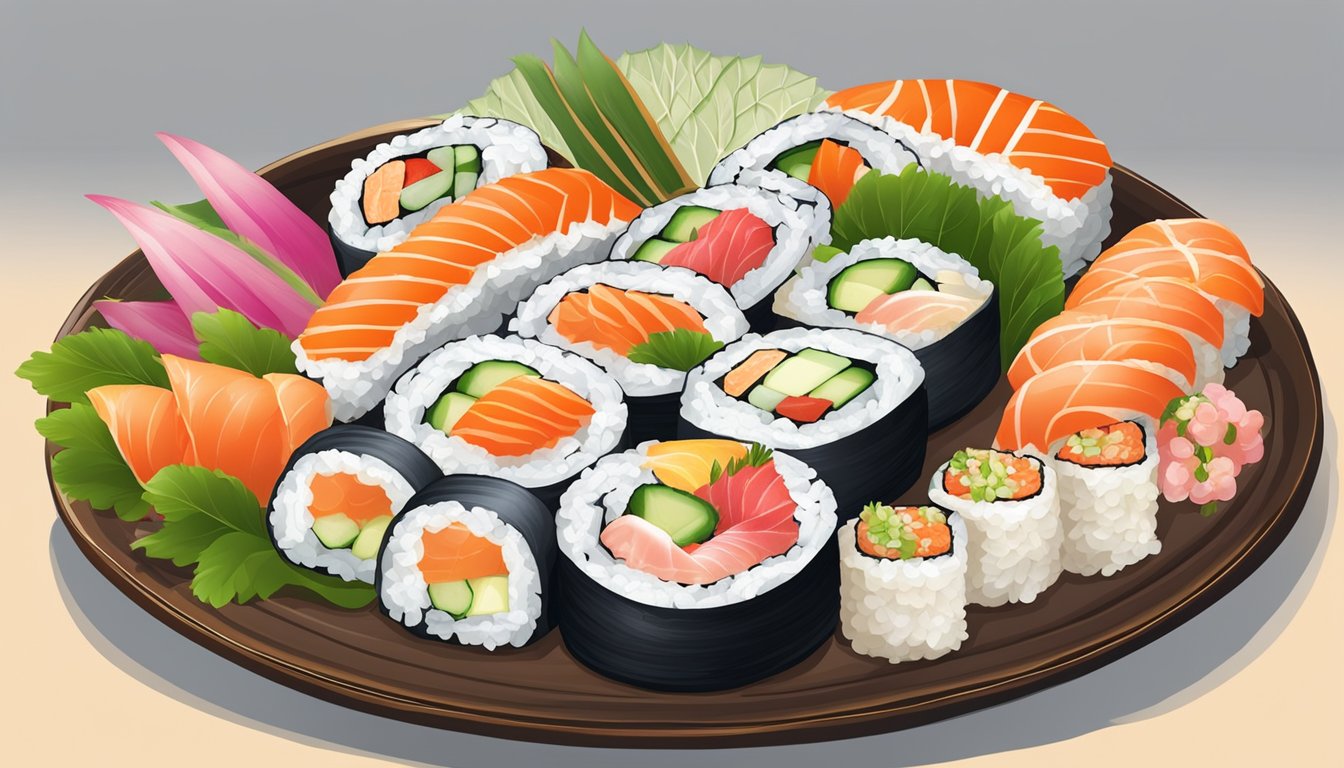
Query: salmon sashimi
755	522
1073	336
732	244
918	311
1028	133
454	553
220	418
1156	249
522	415
687	464
364	313
1072	397
616	319
834	170
343	493
145	426
1172	302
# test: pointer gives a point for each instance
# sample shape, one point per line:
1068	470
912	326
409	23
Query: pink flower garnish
1204	441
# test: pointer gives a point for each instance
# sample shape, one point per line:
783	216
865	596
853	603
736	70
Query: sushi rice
404	411
506	148
903	610
879	149
799	214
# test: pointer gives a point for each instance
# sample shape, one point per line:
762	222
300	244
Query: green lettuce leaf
709	105
1004	247
89	467
230	339
94	358
212	520
680	350
510	98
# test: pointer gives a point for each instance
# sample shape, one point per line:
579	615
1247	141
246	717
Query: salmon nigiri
1071	397
522	415
1076	336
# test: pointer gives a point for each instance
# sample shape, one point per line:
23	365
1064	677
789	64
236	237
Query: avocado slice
335	531
488	374
466	157
764	397
447	410
427	190
687	518
844	386
686	221
797	162
653	250
804	372
858	284
490	594
454	597
371	537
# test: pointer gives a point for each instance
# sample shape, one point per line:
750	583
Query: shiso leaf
213	520
89	467
1004	247
708	106
93	358
679	350
229	339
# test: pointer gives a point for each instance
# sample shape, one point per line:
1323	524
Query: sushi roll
850	405
511	408
1010	505
932	302
697	565
456	275
1107	479
337	495
1028	152
470	560
1202	253
404	181
747	239
825	150
644	324
903	582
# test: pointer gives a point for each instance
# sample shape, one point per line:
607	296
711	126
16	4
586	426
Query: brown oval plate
359	659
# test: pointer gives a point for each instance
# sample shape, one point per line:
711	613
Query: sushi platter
510	512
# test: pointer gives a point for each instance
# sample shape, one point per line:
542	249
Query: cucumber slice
454	597
490	594
844	386
685	221
371	538
764	397
467	158
825	252
426	191
335	531
805	371
797	162
463	182
851	297
858	284
687	518
443	157
488	374
447	410
653	250
922	284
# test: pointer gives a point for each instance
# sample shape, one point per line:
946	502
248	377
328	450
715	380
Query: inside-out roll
470	560
337	495
933	302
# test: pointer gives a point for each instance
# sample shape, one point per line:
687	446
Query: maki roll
930	301
643	324
1108	497
747	239
823	149
1011	508
850	405
337	495
509	407
696	565
470	560
404	181
903	582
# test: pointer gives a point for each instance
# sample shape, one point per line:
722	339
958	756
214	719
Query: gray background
1233	106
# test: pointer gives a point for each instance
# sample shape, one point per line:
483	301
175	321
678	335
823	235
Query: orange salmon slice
456	554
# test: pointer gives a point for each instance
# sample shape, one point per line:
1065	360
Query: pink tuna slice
727	248
755	522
